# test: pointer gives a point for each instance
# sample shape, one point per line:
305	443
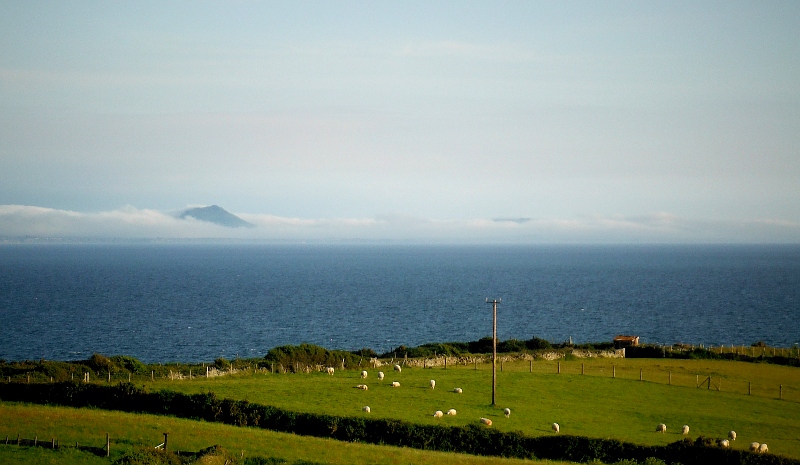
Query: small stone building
621	341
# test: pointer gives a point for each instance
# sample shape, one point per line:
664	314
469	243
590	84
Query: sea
198	302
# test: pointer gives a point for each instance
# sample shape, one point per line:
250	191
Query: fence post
749	388
152	375
108	446
640	374
530	367
780	395
559	367
109	376
613	371
582	372
670	378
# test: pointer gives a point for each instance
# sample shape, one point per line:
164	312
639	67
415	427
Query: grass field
595	404
89	426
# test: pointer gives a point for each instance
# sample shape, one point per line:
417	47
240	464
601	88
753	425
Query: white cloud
17	221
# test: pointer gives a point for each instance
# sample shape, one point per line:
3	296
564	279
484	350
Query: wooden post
501	365
582	372
53	443
613	371
640	374
476	364
559	368
445	362
129	377
109	376
749	388
152	375
166	435
670	378
108	445
206	372
494	350
780	395
530	368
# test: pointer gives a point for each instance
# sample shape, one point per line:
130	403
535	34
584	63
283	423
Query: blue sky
403	121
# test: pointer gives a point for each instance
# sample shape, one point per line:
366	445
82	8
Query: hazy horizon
415	122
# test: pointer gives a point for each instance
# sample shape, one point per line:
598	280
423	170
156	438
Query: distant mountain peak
217	215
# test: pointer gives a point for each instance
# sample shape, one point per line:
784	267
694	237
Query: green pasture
128	431
607	401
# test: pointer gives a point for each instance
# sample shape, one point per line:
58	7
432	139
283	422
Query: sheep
732	435
685	429
362	386
364	374
556	427
452	411
366	409
438	414
754	446
661	428
763	449
330	370
507	412
724	443
458	390
398	368
433	384
380	376
395	384
486	421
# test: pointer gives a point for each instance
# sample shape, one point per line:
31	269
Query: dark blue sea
195	303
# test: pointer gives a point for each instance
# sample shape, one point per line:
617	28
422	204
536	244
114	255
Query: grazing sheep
661	428
556	427
724	443
364	374
362	386
763	449
397	368
366	409
458	390
330	370
486	421
754	446
452	411
395	384
685	429
380	375
438	414
433	384
507	412
732	435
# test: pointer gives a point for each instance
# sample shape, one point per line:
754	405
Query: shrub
536	343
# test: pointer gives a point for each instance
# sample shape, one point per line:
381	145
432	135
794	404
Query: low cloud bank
18	222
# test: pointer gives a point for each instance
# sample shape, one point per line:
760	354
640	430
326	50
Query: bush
536	343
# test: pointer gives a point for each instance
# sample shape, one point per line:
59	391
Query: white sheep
362	386
397	368
486	421
458	390
330	370
724	443
438	414
763	449
661	428
754	446
366	409
732	435
364	374
452	411
556	427
395	384
380	375
433	384
685	429
507	412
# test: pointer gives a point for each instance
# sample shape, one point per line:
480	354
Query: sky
403	121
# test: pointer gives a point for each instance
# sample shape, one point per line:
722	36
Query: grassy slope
594	405
127	431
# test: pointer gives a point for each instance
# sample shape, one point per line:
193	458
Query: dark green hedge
471	439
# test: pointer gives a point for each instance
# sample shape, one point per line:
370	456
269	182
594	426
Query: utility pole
494	347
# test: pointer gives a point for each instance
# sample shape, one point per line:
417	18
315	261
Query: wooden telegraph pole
494	348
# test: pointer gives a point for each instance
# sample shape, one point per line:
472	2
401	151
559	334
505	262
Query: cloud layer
19	223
